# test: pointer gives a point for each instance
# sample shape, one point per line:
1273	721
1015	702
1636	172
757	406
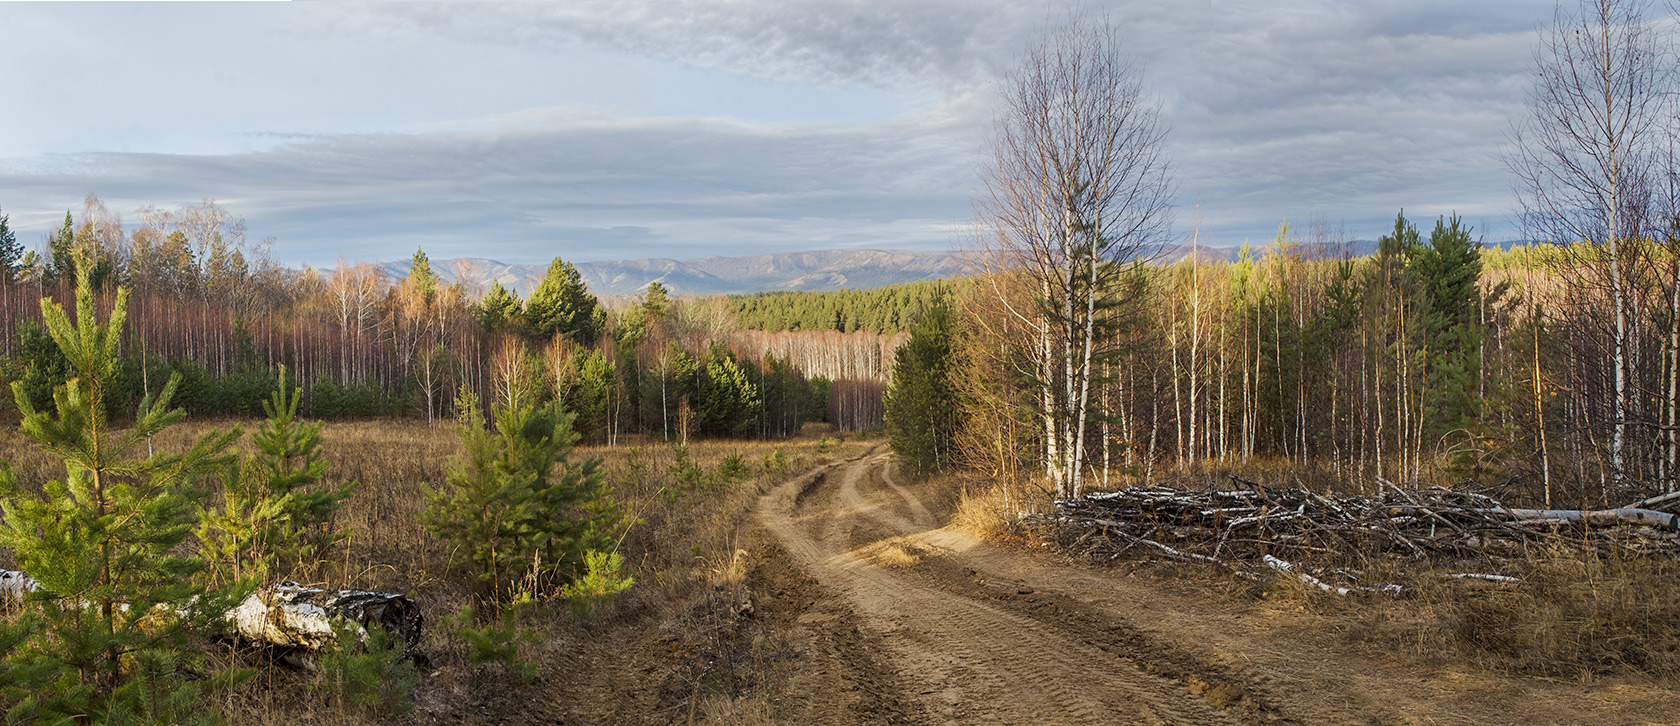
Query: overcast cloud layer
605	130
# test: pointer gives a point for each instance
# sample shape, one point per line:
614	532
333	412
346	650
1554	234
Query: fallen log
294	616
1654	502
14	586
1285	567
1627	515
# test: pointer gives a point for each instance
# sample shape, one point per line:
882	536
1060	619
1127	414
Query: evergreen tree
11	253
656	304
562	305
275	506
1450	268
585	390
420	274
513	503
61	247
726	400
921	404
499	309
104	639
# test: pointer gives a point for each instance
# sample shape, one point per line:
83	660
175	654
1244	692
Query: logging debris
1252	529
291	615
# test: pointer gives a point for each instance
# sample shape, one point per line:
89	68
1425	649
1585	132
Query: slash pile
1252	525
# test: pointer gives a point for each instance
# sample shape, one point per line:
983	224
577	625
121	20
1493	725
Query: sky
619	129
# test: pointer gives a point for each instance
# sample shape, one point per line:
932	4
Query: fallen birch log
1655	501
1600	517
1624	515
1285	567
293	616
14	586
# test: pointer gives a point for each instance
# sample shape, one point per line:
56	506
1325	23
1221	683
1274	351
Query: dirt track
903	621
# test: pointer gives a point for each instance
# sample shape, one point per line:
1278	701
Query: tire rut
967	660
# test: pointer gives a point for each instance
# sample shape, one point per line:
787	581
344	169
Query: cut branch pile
1252	528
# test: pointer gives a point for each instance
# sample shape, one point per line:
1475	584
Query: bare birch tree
1583	161
1077	188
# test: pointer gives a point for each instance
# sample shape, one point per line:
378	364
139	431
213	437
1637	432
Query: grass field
673	640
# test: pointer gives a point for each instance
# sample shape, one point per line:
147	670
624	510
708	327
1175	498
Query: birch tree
1582	160
1077	189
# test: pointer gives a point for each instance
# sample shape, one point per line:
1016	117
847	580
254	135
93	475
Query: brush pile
1250	527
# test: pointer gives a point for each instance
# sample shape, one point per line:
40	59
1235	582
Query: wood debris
295	616
1251	529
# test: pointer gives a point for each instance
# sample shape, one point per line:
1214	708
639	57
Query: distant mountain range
816	271
805	271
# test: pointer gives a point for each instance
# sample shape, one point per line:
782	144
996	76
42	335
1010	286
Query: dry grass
983	511
685	551
1570	615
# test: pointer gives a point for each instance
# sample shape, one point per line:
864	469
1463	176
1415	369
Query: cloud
1276	109
816	41
638	128
584	189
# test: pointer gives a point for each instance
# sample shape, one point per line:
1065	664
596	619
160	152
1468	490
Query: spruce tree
103	639
726	401
1450	268
921	405
61	246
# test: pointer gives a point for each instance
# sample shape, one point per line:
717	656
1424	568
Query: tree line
215	309
889	309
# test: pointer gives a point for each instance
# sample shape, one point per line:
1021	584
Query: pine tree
562	305
276	507
656	304
104	640
921	404
11	253
1450	268
499	309
514	504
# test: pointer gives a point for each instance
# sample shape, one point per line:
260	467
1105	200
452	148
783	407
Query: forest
213	306
888	310
1434	360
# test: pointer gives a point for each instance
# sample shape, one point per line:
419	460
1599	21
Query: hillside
821	270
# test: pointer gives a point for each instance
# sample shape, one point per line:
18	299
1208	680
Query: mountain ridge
809	271
805	271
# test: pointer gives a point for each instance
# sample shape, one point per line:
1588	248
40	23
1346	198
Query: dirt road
903	620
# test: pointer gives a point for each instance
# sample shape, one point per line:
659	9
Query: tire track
968	660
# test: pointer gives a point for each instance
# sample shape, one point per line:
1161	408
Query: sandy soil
898	619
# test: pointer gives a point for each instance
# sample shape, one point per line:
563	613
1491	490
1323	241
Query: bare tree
1584	156
1076	189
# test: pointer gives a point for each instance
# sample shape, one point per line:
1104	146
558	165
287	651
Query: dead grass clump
892	553
982	511
1575	618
